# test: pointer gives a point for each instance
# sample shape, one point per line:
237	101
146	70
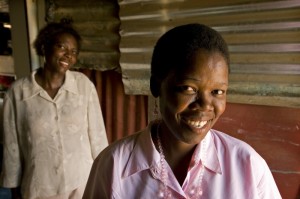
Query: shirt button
56	117
154	173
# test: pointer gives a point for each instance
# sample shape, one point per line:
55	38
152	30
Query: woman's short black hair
174	50
47	35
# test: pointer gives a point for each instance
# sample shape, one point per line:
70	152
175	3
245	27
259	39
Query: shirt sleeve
267	188
11	167
100	182
96	127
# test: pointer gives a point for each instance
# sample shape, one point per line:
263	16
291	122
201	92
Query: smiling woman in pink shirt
179	155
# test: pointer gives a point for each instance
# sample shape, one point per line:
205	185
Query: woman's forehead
200	58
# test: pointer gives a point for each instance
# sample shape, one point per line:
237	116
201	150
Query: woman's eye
60	46
187	89
218	92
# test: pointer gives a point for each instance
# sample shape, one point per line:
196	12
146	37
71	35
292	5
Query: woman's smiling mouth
197	124
64	63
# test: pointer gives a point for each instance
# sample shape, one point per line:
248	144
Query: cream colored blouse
50	144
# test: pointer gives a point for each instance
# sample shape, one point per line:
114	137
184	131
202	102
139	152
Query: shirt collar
70	83
212	161
145	156
31	88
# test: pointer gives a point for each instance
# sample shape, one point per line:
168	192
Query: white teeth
65	63
197	124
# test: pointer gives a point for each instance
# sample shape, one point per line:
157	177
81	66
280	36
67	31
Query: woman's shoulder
78	75
230	146
83	83
235	153
238	158
116	155
17	87
121	148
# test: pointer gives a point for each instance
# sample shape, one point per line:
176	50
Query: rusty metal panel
263	38
98	23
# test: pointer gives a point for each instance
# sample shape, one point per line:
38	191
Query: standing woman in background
53	124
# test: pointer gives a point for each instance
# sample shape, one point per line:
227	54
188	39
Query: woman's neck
177	153
50	82
49	79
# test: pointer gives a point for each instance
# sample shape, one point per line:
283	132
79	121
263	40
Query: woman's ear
154	86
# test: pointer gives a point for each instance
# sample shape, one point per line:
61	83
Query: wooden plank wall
263	38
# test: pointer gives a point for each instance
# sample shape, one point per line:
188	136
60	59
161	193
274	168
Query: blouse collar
145	156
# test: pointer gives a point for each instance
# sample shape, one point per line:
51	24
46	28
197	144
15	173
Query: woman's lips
64	63
197	124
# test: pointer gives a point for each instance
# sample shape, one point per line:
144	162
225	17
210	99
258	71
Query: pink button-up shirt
130	168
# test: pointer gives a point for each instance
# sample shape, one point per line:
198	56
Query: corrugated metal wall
263	38
4	6
98	23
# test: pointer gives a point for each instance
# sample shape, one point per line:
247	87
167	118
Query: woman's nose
204	100
67	53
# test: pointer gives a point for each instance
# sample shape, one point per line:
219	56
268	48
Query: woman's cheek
220	106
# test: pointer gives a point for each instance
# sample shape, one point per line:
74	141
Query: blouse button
154	173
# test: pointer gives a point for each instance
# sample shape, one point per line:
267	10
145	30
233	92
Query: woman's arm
96	127
11	167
